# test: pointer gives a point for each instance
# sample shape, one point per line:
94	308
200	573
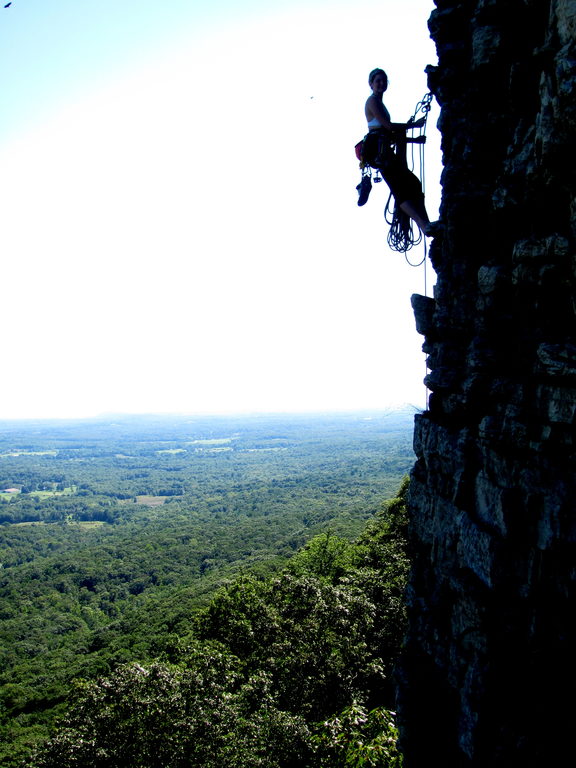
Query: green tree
357	738
201	714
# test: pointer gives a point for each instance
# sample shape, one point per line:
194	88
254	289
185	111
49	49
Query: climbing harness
401	236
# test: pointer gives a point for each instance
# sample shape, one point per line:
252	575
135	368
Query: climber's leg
417	212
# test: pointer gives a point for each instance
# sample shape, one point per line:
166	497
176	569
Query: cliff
488	674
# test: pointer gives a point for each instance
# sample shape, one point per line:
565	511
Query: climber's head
378	80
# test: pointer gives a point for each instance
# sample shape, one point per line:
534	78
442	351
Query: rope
402	235
423	106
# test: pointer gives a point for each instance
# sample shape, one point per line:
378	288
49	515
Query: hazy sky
179	221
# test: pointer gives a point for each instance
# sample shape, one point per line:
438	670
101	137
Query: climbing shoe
364	189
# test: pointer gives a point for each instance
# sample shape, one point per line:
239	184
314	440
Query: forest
194	591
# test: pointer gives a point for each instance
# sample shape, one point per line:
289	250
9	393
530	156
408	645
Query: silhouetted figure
378	152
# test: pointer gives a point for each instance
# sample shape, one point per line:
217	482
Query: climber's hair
373	74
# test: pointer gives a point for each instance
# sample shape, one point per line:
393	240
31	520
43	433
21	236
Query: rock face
488	676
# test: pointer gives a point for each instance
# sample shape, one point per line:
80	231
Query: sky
180	229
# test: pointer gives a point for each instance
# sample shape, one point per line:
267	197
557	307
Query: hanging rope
424	106
403	235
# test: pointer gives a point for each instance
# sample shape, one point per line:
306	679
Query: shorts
379	153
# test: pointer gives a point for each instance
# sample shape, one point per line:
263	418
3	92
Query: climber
378	152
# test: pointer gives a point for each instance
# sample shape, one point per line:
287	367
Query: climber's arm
401	127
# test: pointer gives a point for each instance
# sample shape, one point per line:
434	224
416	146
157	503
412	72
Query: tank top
375	123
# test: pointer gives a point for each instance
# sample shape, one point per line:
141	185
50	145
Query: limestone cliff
491	651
